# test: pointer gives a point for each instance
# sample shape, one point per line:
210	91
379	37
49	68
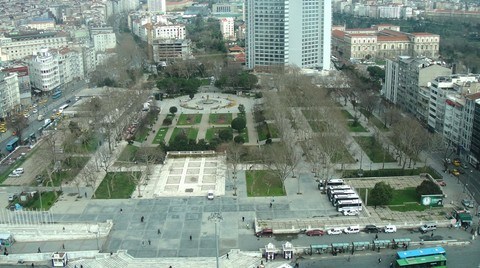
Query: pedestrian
143	243
142	218
158	231
431	235
39	251
391	264
33	265
376	236
121	210
379	260
227	257
149	242
63	246
190	238
271	204
378	249
81	266
243	219
85	194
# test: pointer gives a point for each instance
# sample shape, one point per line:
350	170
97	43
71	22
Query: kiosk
287	250
270	251
59	259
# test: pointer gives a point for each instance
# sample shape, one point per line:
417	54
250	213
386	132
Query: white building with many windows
15	47
288	33
9	93
44	71
227	27
157	6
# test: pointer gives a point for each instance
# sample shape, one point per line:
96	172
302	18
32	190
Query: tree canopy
381	194
239	124
428	187
175	85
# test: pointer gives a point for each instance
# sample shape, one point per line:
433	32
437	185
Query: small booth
401	243
357	246
6	240
287	250
270	251
378	244
339	248
318	249
59	259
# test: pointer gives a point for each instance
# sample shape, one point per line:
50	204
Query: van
390	229
352	229
428	227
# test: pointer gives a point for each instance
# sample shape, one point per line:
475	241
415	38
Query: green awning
402	240
340	245
464	217
319	246
359	244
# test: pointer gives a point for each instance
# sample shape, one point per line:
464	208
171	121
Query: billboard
432	200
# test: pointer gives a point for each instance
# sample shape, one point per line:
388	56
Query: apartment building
474	155
157	6
227	27
44	71
288	33
382	42
9	94
19	46
166	50
70	65
103	38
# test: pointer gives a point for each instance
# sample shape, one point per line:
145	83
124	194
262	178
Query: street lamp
216	217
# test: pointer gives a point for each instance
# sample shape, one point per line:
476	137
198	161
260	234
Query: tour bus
339	197
337	187
63	107
324	184
355	204
337	192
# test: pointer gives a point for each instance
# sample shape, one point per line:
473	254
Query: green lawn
191	133
347	114
48	200
213	133
70	169
121	185
89	146
403	200
373	149
379	124
264	129
357	128
128	154
220	119
160	135
244	134
263	183
189	119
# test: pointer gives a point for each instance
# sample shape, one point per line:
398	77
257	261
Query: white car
14	174
334	231
352	229
351	212
390	229
34	111
210	195
19	170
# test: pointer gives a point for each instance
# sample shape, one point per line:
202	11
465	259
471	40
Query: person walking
149	242
376	236
379	260
243	219
158	231
271	204
121	210
431	235
228	257
190	238
142	218
39	251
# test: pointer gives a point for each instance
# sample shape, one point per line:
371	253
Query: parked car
428	227
455	172
442	183
390	229
34	111
352	229
210	195
14	174
353	212
457	162
315	232
371	229
268	232
19	170
12	197
334	231
467	203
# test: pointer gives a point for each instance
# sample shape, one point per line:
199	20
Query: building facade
227	27
157	6
283	33
9	94
171	49
19	46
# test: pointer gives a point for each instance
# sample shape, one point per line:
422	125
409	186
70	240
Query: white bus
337	192
337	187
63	107
339	197
355	204
322	185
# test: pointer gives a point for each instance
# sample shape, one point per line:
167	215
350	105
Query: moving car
467	203
352	229
390	229
455	172
268	232
315	232
210	195
371	229
12	197
334	231
353	212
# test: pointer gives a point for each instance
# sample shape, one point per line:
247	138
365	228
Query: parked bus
337	192
63	107
355	204
57	94
12	144
339	197
324	184
337	187
439	261
421	252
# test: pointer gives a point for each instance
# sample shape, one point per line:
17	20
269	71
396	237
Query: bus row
342	196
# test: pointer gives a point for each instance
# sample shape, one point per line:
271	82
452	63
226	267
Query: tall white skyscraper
157	6
289	32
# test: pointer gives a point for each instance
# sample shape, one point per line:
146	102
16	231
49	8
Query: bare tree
280	161
89	175
234	156
150	156
411	138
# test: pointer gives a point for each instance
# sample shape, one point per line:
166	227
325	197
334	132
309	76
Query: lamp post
216	217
